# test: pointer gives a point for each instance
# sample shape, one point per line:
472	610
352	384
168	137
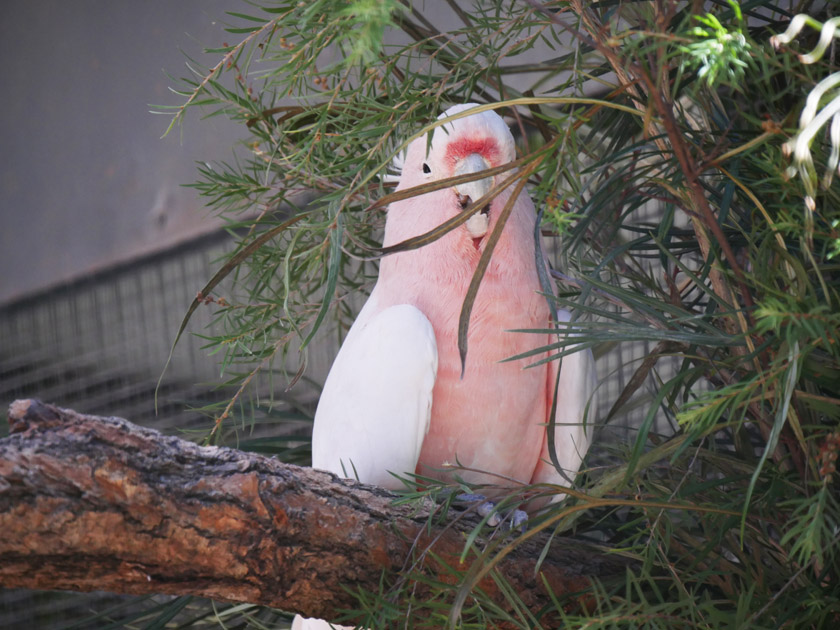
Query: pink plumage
493	419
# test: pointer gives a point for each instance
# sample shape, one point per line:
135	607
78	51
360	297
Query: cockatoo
395	400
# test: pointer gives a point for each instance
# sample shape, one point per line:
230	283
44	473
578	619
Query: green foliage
372	17
719	52
655	142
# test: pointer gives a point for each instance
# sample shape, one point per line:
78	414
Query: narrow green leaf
481	268
336	238
232	263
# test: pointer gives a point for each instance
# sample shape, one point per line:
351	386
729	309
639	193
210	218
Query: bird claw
488	510
515	519
519	520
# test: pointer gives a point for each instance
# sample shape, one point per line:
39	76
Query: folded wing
375	407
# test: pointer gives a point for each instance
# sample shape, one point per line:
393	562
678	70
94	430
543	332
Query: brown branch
91	503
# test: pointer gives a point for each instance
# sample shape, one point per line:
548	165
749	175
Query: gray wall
85	179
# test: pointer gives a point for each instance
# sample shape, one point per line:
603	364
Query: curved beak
475	190
468	192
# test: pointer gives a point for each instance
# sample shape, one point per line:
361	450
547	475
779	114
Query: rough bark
91	503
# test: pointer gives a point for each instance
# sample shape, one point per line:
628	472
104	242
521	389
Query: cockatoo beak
469	192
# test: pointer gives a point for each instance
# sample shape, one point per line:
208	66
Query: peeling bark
90	503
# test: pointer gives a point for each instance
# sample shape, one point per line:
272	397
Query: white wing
375	408
576	407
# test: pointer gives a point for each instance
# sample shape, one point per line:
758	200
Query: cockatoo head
463	146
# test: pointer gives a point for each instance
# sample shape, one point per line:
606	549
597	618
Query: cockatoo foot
519	520
515	519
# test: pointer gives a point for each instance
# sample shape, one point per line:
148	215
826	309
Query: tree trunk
90	503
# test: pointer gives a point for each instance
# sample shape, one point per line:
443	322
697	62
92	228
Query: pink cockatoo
395	400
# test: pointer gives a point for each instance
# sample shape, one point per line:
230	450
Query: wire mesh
99	345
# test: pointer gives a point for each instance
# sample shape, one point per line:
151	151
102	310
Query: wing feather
376	404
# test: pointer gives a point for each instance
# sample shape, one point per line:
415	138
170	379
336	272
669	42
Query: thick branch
90	503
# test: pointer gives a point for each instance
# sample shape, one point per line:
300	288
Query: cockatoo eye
426	168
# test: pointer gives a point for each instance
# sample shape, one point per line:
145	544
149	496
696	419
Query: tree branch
91	503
